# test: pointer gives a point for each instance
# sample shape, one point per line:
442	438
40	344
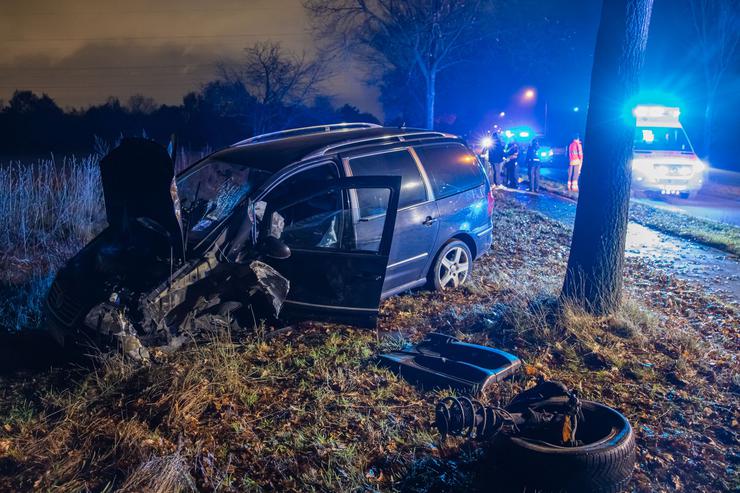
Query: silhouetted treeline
216	116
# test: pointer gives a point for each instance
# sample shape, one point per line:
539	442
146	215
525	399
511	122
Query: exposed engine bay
139	285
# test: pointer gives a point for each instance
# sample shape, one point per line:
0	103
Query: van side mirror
274	248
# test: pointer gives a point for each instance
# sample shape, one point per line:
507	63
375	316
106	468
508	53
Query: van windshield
209	194
661	139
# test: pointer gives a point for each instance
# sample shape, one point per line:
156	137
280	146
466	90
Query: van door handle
429	221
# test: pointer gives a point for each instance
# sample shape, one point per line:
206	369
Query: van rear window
397	163
451	168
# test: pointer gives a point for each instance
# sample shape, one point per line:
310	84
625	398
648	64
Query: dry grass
308	410
48	211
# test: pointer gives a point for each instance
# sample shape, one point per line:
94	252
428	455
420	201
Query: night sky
82	51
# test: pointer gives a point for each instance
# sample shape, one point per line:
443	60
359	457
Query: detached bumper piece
442	361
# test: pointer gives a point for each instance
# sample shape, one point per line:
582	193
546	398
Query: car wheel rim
453	269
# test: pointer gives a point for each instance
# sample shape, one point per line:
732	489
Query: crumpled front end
206	298
133	287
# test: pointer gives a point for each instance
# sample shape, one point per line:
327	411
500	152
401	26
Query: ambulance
664	162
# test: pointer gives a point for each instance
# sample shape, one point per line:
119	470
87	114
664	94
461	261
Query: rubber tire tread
605	469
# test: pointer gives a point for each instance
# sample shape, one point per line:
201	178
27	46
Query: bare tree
138	103
409	36
278	80
595	265
717	25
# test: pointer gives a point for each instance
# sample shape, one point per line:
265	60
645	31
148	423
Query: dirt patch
308	409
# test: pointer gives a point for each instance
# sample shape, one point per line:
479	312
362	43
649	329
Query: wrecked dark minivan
275	226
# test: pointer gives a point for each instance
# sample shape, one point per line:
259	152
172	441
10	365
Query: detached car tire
603	463
454	258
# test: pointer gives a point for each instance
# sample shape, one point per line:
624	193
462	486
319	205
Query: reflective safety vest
575	152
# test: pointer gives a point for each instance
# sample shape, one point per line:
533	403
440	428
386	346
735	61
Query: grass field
309	410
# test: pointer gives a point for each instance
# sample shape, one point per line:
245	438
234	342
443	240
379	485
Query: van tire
441	263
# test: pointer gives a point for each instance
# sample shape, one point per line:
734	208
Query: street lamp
529	94
576	109
502	114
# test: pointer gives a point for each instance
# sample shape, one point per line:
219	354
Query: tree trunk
431	96
594	275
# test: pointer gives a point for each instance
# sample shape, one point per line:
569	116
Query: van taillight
490	202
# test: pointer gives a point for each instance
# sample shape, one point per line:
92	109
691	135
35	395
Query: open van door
334	275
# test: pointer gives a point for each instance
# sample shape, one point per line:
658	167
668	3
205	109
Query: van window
312	222
310	179
451	168
398	163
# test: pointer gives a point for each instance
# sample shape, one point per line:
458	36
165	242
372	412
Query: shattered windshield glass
209	194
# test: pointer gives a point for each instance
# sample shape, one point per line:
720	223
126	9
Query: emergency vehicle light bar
644	112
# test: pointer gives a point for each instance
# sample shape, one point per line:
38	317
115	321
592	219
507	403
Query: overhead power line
157	37
99	86
18	68
78	12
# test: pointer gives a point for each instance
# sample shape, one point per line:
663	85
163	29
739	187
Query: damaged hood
138	185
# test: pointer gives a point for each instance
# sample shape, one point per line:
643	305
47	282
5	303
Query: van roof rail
316	129
407	137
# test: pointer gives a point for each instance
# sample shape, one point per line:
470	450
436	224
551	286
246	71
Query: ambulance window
661	139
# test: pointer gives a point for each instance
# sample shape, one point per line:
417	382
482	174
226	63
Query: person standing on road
533	165
496	157
511	156
575	159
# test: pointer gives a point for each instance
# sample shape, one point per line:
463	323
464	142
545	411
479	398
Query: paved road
717	271
718	201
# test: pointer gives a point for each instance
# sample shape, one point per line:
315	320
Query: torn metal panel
441	361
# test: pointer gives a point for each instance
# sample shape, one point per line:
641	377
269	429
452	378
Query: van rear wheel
451	267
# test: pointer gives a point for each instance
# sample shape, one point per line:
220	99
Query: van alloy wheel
453	268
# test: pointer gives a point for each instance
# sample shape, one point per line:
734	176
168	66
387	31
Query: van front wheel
451	267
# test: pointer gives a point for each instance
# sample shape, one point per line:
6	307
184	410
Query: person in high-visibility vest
575	161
